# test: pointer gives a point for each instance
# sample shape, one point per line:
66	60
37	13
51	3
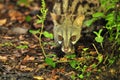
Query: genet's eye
73	38
60	38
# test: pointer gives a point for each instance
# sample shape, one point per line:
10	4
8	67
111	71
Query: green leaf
110	6
28	18
73	63
85	49
81	76
50	62
99	39
39	21
89	22
34	31
110	17
94	65
98	14
48	35
70	56
100	58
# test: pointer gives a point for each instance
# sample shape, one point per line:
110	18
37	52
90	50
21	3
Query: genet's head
67	32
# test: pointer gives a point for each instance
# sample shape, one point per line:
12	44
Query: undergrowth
111	15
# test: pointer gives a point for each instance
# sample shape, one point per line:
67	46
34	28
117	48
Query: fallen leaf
2	21
21	37
28	58
25	68
16	15
32	46
1	6
18	30
8	37
3	58
93	53
63	59
38	77
24	42
80	59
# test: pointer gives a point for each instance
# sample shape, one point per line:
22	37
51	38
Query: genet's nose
66	49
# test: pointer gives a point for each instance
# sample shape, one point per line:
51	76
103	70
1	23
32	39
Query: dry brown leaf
62	70
28	58
70	73
53	74
93	53
1	6
38	77
8	37
80	59
37	26
63	59
80	47
25	68
3	21
24	42
3	58
21	37
32	46
16	15
43	65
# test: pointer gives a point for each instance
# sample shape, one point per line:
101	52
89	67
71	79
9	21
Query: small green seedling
98	37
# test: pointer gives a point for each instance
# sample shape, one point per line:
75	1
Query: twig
95	48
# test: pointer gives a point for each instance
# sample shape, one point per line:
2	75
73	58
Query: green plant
22	47
49	59
111	14
50	62
113	18
41	20
95	16
79	66
98	37
48	35
113	27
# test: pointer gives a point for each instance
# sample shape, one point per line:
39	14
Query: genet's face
67	36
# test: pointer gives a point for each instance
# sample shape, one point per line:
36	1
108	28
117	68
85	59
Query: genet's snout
68	49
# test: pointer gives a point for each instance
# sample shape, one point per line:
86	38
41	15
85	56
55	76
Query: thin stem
40	40
95	48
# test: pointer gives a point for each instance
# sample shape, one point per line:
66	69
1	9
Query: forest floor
21	57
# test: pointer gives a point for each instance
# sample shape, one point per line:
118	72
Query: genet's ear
79	20
54	18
